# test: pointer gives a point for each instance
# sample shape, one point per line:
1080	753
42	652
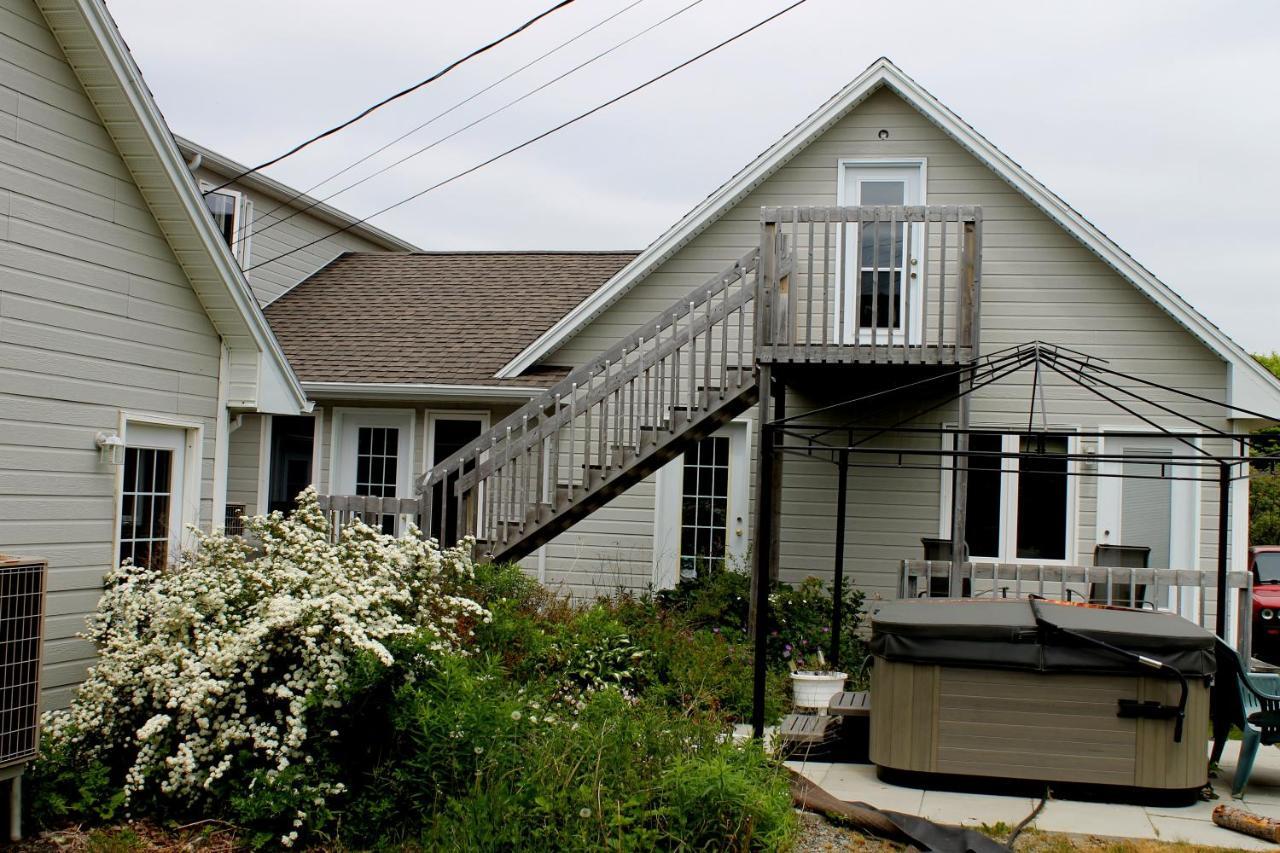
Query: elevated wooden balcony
869	285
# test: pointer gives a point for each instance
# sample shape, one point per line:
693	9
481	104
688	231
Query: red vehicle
1264	562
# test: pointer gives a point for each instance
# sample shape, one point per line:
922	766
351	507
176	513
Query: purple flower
787	647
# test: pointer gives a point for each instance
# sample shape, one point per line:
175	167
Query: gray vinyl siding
96	317
270	240
1038	283
243	452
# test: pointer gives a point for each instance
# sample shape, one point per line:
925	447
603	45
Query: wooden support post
837	587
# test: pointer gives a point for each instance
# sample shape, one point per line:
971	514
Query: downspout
221	441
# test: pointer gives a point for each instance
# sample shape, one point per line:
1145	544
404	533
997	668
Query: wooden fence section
607	425
875	284
1189	593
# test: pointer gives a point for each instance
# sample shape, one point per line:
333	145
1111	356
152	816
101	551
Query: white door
153	495
883	267
374	455
701	509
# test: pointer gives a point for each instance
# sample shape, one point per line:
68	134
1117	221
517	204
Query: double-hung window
1021	498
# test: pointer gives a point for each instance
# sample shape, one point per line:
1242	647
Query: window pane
1042	498
222	206
883	192
704	505
144	506
880	297
982	518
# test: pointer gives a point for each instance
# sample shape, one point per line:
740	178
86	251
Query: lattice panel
22	592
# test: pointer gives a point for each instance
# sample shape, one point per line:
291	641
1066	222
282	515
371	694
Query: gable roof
1250	386
259	376
222	165
432	318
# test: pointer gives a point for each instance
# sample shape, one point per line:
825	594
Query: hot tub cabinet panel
1054	727
1038	691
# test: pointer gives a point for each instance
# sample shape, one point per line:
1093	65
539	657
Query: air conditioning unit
22	591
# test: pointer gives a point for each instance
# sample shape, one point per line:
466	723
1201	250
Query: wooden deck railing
873	284
1190	593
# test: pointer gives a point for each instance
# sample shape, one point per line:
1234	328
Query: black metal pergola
850	444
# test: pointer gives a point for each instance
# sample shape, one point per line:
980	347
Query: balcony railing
875	284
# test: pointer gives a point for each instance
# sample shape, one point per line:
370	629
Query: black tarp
1002	634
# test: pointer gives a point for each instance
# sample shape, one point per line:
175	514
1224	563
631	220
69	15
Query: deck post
762	559
1224	523
837	590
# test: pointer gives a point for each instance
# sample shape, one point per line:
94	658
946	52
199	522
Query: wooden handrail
585	374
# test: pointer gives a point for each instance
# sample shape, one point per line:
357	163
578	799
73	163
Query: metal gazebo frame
847	444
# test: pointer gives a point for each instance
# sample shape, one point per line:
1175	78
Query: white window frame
847	286
241	220
1010	436
668	494
342	458
181	539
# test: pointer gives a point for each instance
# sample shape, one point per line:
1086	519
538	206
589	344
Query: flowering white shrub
222	662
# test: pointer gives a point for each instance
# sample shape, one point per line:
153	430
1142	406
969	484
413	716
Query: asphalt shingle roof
432	317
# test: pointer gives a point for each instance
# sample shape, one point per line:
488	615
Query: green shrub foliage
450	706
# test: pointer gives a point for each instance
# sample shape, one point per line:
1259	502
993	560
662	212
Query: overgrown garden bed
381	692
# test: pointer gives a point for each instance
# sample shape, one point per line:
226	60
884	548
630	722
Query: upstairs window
231	213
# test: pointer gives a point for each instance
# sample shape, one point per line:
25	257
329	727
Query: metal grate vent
233	520
22	588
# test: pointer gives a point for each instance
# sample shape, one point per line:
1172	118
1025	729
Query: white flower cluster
237	647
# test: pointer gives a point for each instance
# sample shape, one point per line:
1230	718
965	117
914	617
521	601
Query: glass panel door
882	259
704	517
151	494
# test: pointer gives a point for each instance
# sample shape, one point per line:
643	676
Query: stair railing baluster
707	344
525	459
573	442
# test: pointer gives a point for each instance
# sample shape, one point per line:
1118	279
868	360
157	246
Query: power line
540	136
415	87
244	229
482	118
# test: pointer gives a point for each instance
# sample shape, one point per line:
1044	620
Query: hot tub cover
1003	634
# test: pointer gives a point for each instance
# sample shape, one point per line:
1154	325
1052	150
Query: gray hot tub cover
1003	634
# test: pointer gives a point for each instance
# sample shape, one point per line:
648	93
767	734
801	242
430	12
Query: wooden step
798	729
850	704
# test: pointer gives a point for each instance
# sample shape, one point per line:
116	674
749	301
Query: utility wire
482	118
540	136
415	87
248	225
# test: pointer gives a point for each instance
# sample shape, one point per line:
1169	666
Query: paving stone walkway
1193	824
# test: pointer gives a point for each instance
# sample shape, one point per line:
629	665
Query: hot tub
972	691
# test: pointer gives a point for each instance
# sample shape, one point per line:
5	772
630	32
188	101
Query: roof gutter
412	391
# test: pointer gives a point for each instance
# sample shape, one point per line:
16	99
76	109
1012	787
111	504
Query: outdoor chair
1250	701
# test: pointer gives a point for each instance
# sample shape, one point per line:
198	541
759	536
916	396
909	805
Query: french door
153	494
374	456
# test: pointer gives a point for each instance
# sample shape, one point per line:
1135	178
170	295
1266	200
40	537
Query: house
132	342
641	464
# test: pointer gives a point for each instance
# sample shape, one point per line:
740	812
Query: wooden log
809	797
1239	820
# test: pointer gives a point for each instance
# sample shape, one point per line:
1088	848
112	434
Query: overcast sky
1157	120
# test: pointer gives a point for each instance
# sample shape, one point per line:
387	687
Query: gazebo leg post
837	591
1224	524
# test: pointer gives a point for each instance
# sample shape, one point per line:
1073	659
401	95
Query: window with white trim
1019	507
232	215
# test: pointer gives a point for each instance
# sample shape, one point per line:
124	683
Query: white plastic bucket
815	689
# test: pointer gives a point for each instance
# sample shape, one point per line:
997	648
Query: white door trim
668	495
192	466
342	462
1184	544
913	171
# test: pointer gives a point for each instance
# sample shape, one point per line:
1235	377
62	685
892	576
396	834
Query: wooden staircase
607	425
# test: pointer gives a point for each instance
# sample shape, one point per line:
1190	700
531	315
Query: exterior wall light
110	448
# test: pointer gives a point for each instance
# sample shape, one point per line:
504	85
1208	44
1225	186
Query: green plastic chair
1256	700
